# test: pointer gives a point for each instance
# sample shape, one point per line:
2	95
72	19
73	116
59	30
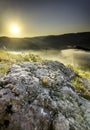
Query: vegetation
7	59
77	81
80	71
45	81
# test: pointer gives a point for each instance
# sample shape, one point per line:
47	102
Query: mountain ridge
79	40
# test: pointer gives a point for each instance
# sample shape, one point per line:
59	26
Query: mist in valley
73	57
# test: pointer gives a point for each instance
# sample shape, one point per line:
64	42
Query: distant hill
71	40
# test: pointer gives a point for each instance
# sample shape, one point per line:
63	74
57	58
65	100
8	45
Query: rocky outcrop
39	96
86	83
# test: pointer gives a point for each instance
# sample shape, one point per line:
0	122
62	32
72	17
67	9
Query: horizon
31	18
44	35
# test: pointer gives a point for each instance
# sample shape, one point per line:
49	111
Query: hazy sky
44	17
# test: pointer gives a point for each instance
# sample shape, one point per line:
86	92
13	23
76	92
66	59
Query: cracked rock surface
39	96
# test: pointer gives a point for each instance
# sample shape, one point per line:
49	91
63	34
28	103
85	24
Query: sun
15	29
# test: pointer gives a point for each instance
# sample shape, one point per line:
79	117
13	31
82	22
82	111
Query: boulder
39	96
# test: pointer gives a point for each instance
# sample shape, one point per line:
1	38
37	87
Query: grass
7	59
80	88
77	81
80	71
45	81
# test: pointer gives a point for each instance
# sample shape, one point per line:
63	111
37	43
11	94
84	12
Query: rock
60	123
39	96
86	83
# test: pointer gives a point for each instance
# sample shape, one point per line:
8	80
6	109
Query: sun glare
14	29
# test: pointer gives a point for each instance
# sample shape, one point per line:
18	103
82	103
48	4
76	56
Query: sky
44	17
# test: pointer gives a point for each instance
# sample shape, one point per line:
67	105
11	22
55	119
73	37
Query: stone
40	96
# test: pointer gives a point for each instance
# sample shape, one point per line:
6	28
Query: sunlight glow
14	29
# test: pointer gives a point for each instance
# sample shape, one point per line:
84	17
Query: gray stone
39	96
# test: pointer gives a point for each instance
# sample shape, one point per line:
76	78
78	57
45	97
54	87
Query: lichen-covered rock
39	96
86	83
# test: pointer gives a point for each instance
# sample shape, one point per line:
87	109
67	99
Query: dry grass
77	81
7	59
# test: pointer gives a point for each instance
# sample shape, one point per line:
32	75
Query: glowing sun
14	29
